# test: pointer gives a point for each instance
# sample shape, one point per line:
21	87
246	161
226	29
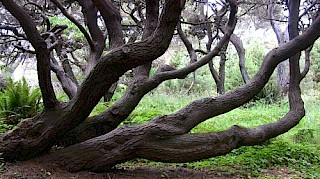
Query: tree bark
166	137
282	37
68	86
141	85
151	21
222	67
89	11
236	41
37	135
307	62
191	52
42	52
214	73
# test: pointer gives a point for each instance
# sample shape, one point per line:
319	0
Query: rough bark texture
166	137
68	86
42	52
110	119
37	135
112	18
90	14
151	21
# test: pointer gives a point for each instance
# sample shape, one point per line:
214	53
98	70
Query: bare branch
42	52
188	45
23	49
112	19
307	62
141	85
75	22
14	30
68	85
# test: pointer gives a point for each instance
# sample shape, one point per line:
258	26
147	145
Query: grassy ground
296	152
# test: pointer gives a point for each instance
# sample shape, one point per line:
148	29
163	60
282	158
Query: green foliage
18	101
315	63
255	115
251	160
297	150
72	32
304	134
140	116
203	82
254	57
153	105
100	107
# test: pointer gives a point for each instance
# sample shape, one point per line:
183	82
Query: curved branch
213	71
37	135
169	131
187	44
42	52
75	22
112	19
236	41
274	26
151	22
307	62
117	113
110	119
68	85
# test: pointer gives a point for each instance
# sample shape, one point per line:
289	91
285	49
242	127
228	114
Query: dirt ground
34	170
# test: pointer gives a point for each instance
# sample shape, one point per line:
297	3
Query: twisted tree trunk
165	138
35	136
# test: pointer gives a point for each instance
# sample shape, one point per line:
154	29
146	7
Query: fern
18	101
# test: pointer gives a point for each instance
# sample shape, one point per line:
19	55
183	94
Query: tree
272	12
96	143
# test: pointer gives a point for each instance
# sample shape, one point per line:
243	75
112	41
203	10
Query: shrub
18	101
254	56
315	61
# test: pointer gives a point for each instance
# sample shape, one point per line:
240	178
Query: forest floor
36	170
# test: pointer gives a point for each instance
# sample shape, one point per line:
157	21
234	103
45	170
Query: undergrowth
18	101
297	150
251	160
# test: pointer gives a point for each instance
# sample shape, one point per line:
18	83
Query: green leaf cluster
18	101
72	32
252	160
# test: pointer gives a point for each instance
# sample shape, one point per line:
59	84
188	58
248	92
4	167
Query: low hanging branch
191	51
118	112
39	134
166	137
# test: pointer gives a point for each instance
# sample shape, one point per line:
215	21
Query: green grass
247	117
298	150
156	104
